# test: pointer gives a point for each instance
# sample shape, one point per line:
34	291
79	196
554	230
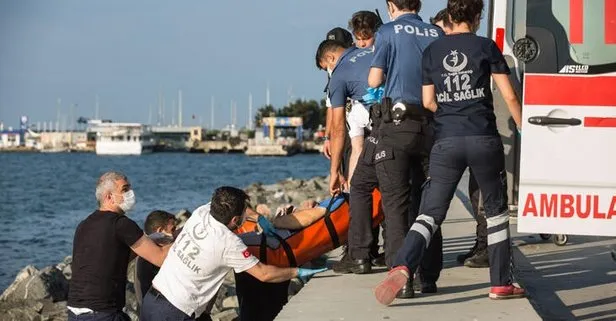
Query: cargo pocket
367	154
383	153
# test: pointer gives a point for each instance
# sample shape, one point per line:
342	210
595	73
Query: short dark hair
227	203
157	219
325	47
464	10
412	5
441	16
365	23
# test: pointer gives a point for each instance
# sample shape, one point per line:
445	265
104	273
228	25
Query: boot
462	257
479	260
407	291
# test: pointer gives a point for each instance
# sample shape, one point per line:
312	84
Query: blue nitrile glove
306	274
374	95
267	227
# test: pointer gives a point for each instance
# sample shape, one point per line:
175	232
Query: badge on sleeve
246	254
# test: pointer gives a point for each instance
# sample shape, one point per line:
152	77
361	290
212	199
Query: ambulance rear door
568	146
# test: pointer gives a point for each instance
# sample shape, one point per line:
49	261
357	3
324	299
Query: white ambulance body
562	175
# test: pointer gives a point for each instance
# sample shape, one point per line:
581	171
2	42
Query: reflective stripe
497	237
423	231
498	219
429	220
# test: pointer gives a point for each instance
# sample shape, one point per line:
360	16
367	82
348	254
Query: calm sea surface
44	196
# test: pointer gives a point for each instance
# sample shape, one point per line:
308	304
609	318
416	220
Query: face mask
129	201
237	225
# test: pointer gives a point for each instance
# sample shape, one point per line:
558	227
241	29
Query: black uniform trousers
260	301
474	194
401	162
362	240
449	159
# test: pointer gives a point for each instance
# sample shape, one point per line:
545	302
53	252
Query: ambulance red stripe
610	22
600	122
576	21
566	90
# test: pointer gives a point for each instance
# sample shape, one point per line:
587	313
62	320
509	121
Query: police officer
456	87
350	69
343	36
405	132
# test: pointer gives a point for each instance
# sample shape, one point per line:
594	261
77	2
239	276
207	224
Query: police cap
341	35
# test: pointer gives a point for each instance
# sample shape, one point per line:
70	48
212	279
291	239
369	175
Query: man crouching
202	255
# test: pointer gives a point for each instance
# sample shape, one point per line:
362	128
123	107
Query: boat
122	138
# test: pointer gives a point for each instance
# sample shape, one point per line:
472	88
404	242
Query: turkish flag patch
246	254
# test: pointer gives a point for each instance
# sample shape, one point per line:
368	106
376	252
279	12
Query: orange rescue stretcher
295	248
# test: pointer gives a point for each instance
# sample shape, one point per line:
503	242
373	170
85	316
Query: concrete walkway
463	292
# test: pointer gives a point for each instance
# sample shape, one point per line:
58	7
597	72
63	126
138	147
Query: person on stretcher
287	217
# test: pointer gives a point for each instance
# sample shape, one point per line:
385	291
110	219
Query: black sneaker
479	260
407	292
428	288
462	257
348	265
378	260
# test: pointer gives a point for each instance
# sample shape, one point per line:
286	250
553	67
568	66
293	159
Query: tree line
312	112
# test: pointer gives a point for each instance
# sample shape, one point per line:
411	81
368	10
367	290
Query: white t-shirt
358	119
195	268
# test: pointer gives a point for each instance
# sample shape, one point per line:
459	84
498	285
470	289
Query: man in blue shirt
344	36
405	134
349	77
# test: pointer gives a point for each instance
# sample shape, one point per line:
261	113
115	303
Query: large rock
230	303
227	315
31	285
65	267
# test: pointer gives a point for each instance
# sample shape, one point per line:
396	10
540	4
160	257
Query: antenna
149	116
58	114
180	108
267	95
250	111
212	114
163	113
290	94
172	112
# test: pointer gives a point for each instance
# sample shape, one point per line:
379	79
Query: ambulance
561	170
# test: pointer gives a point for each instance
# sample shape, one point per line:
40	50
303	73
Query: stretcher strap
331	229
287	249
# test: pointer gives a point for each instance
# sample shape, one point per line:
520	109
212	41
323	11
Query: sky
129	52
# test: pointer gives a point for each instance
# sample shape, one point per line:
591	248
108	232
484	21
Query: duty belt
388	112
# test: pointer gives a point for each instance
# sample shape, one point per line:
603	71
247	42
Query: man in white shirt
202	255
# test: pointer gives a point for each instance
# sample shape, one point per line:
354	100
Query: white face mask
129	201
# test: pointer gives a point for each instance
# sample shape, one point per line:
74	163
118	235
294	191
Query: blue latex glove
306	274
374	95
267	227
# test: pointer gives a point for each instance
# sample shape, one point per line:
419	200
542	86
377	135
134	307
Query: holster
386	106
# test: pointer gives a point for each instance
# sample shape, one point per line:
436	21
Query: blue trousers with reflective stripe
449	159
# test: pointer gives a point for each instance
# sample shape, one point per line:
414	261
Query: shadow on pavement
580	271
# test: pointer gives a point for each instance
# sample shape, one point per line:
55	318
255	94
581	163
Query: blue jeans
99	316
157	308
449	159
